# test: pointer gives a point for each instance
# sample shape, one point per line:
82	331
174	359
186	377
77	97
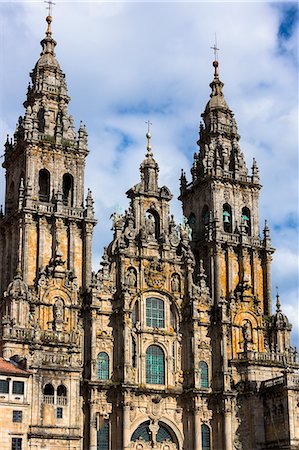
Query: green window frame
205	437
103	366
17	416
155	313
18	387
103	437
204	374
16	444
4	386
155	365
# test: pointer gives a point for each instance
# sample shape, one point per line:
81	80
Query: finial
148	136
50	3
278	306
215	62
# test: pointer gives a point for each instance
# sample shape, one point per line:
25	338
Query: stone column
26	252
230	253
71	261
126	426
268	287
41	240
217	293
93	427
197	429
87	254
228	424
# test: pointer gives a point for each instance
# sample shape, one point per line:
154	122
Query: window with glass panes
155	313
205	437
204	374
155	365
59	413
16	444
4	387
103	366
17	416
103	437
18	387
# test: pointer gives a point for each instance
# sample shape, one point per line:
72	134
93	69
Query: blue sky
128	62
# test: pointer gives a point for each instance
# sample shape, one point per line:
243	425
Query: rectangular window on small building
17	416
59	413
4	387
18	387
16	444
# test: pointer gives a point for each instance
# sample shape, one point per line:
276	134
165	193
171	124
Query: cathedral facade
173	344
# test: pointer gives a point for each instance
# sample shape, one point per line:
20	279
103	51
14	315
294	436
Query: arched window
48	394
205	437
61	395
133	352
103	436
155	365
246	221
67	189
44	185
103	366
205	215
155	313
48	389
142	432
164	433
192	224
227	218
135	313
10	197
204	374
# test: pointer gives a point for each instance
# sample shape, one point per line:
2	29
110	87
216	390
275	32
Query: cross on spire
216	49
49	7
148	125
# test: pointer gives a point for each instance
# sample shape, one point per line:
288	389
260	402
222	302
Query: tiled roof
7	367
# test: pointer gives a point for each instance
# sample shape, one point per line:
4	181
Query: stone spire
149	169
220	154
46	117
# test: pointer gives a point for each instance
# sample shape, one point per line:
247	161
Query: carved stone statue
175	283
58	310
150	226
131	277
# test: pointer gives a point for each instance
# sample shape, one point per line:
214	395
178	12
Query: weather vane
148	125
215	48
49	7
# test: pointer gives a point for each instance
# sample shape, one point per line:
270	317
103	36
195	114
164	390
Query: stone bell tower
46	234
221	204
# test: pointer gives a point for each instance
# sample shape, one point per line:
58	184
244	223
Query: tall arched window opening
133	352
67	189
155	365
205	437
103	436
135	313
205	215
61	395
227	218
103	366
246	220
44	185
48	392
204	374
155	313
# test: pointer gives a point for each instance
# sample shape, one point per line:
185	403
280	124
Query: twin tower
173	343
